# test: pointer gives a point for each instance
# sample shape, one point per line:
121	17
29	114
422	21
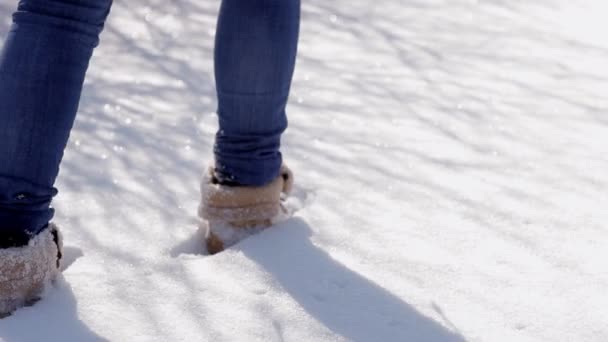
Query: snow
450	161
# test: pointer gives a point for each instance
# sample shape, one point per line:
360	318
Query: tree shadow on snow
345	302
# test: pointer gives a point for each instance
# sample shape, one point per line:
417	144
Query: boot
26	271
235	212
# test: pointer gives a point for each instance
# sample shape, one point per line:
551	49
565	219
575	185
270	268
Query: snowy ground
451	163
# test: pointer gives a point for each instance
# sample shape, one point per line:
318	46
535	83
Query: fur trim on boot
26	271
234	212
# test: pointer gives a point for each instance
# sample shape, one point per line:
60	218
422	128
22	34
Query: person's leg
42	69
255	52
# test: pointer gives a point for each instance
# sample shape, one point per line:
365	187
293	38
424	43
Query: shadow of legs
344	301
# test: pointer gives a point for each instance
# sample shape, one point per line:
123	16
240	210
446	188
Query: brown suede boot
235	212
26	271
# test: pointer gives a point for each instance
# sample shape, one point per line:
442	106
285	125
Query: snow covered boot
235	212
26	271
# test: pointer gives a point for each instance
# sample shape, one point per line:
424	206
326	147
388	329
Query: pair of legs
42	69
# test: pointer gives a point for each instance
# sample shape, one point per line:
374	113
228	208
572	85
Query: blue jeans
42	70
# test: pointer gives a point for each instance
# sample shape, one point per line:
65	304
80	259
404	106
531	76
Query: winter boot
235	212
26	271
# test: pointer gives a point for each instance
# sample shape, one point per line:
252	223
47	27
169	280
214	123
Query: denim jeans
42	69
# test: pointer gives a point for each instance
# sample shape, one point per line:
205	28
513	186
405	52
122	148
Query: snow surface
450	158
